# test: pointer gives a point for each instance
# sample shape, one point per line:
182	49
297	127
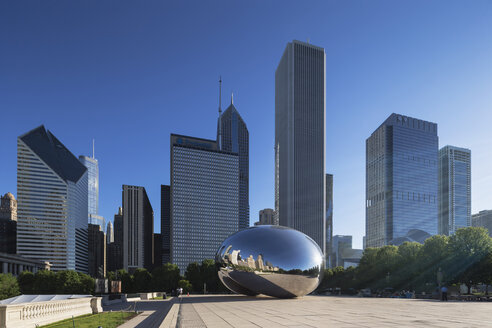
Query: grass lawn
105	320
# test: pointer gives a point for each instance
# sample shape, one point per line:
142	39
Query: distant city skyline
96	81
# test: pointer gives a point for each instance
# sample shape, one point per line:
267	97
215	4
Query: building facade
204	199
16	264
267	217
157	250
401	179
300	115
52	202
92	166
114	250
8	224
234	138
329	219
97	251
138	229
166	223
454	189
109	233
483	219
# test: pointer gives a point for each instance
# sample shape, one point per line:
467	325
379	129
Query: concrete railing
42	313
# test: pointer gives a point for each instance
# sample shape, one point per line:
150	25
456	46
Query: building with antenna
233	136
92	166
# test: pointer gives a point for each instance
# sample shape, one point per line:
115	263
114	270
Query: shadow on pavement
158	309
224	298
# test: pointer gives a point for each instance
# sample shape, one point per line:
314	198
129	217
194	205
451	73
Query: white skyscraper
300	114
454	189
52	202
204	199
109	233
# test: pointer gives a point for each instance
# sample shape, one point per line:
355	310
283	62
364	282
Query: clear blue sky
129	73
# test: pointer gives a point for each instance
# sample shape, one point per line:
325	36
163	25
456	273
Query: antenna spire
219	134
220	95
92	148
232	98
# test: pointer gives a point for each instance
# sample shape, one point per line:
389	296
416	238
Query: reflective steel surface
270	260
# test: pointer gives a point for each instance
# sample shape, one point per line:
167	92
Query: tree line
462	258
167	278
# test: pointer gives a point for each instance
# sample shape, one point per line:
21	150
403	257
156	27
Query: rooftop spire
220	95
92	148
232	98
219	134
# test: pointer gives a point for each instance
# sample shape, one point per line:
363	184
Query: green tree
68	282
26	282
185	284
87	284
468	247
142	279
484	271
210	277
165	278
406	269
45	282
8	286
127	283
194	276
433	255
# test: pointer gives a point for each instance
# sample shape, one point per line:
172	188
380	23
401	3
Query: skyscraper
483	219
267	216
454	189
401	179
115	249
204	198
138	229
92	166
8	224
300	112
166	223
52	202
233	136
109	233
329	219
97	251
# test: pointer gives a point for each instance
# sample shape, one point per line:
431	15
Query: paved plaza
217	311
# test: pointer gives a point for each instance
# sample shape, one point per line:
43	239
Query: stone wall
42	313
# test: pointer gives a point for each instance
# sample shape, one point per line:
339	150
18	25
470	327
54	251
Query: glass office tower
234	138
401	179
92	166
454	189
329	220
204	199
300	115
52	202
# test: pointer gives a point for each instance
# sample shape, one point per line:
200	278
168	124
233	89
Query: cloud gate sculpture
270	260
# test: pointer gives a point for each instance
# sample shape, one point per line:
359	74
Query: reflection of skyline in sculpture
234	258
271	260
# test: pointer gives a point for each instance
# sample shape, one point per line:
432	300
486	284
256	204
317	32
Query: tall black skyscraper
233	136
138	229
166	223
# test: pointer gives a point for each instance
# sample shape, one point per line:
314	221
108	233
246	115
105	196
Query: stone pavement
152	316
217	311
